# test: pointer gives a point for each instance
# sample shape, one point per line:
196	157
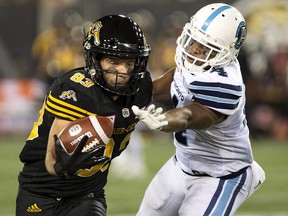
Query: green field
124	196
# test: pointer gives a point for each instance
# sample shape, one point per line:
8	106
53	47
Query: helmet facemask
97	73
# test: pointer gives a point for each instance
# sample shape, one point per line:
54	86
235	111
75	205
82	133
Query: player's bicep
202	117
161	85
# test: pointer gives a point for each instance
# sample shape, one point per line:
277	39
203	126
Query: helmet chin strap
92	72
191	67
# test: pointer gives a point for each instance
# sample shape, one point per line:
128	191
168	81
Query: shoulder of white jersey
220	90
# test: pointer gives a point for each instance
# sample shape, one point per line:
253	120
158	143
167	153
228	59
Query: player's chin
117	86
120	86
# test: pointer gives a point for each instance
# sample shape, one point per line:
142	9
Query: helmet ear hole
112	42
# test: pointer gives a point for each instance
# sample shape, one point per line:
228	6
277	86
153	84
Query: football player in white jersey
213	171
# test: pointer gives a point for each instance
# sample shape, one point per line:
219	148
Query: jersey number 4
181	137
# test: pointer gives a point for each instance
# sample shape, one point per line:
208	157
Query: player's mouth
190	59
119	85
194	61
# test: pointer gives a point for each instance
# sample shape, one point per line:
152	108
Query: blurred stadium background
41	39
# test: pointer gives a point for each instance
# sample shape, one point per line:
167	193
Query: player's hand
70	164
152	117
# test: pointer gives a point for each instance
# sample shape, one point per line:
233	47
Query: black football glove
69	165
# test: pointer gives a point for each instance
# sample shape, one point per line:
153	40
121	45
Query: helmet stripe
213	16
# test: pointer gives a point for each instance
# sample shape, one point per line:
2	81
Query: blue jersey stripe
236	192
234	90
225	196
216	86
217	95
231	184
216	105
216	99
213	15
215	197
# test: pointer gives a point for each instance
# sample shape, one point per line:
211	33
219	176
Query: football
98	129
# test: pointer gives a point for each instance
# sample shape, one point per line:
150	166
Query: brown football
98	129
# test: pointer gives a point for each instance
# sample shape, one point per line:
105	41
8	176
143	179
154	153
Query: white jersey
223	148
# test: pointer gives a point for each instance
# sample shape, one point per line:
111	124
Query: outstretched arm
192	116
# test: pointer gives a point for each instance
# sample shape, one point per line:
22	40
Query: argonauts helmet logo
241	35
95	32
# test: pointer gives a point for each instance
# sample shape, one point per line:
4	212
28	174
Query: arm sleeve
221	97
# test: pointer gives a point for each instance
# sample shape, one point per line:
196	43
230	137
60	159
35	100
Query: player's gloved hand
70	164
152	117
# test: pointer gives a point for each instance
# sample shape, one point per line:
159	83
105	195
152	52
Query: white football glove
153	118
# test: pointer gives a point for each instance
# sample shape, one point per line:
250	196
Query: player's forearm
49	163
49	160
193	116
57	126
178	119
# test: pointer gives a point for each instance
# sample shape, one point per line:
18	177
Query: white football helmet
221	29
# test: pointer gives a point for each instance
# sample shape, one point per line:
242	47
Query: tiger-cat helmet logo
95	32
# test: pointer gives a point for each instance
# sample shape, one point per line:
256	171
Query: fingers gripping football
81	145
70	164
152	117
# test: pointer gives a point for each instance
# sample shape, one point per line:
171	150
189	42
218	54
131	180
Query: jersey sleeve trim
216	95
64	110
